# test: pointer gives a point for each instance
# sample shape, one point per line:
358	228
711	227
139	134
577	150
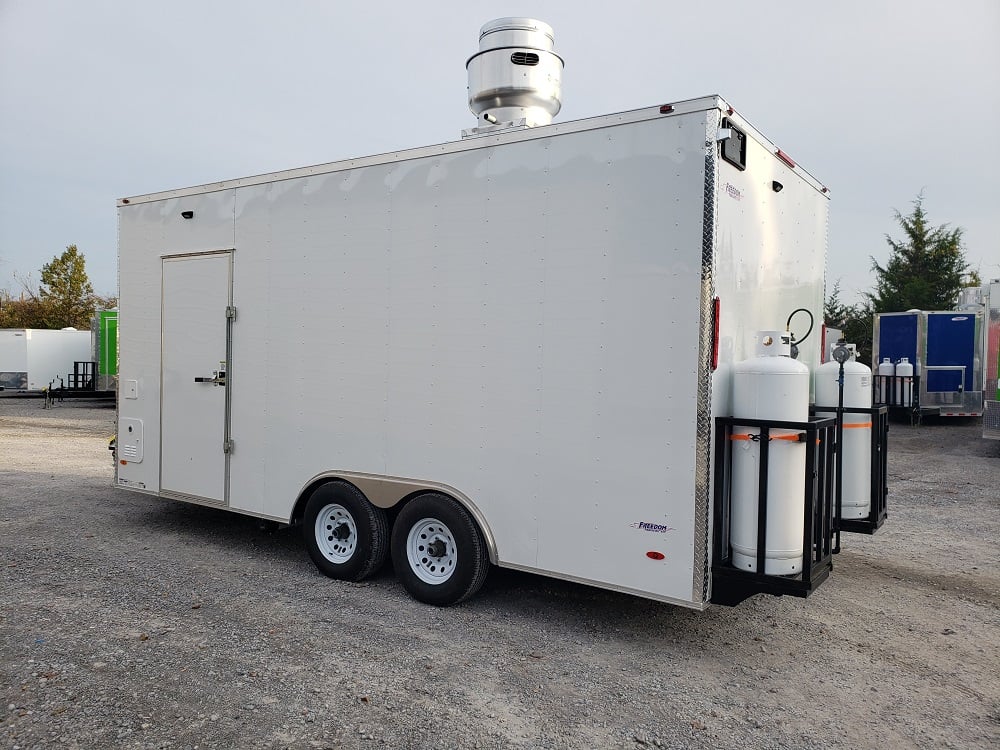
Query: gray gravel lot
134	622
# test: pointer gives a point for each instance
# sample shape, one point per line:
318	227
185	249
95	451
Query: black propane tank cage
83	377
879	448
900	393
731	585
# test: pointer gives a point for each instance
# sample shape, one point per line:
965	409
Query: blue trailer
945	349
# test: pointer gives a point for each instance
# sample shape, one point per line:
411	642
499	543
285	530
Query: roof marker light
654	555
666	109
785	158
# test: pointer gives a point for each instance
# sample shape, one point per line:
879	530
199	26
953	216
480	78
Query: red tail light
716	309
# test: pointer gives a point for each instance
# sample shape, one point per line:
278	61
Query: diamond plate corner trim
703	428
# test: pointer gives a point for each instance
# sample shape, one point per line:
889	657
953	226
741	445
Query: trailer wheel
437	551
347	537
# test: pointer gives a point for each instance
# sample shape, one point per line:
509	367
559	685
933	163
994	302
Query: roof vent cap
515	80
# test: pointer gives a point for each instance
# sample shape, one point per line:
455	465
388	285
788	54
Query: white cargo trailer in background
991	347
985	300
33	359
509	349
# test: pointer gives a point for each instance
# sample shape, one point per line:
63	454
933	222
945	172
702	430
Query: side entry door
195	339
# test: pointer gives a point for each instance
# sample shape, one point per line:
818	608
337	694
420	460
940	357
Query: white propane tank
886	369
856	446
772	385
904	382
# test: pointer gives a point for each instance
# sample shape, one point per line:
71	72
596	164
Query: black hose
812	321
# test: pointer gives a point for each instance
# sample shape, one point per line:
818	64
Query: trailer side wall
523	321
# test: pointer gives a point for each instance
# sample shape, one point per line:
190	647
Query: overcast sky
99	100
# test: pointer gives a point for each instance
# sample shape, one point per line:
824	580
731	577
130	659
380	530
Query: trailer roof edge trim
512	136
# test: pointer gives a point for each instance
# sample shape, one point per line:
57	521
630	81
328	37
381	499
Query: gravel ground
134	622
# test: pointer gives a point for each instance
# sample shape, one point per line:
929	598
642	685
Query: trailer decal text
657	528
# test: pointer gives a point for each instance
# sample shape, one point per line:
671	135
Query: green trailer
105	338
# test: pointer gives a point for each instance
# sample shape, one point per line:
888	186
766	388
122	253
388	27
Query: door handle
218	379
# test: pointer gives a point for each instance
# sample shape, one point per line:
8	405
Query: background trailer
32	359
943	352
991	404
987	300
518	342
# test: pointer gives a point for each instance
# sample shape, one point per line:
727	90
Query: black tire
449	562
347	537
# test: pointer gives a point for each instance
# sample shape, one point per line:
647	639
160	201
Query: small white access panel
130	440
193	424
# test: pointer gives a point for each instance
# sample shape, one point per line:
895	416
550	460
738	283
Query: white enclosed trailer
986	300
991	393
33	359
509	348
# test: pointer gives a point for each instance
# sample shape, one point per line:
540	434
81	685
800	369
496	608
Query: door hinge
228	445
231	312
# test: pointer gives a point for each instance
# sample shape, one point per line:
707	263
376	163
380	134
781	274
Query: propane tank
904	382
856	446
772	385
886	369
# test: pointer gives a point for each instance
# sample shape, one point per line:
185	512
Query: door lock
218	378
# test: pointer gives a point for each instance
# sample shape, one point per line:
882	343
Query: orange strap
792	438
857	425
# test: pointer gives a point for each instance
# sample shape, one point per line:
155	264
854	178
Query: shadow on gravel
943	435
24	403
556	602
209	527
552	601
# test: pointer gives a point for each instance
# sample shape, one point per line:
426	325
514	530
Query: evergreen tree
854	320
924	271
835	312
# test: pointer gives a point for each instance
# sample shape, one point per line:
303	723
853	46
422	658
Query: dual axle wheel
436	548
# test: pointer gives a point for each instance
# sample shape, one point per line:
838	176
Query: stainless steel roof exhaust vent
515	80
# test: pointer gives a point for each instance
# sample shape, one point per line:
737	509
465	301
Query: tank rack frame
731	585
878	510
901	394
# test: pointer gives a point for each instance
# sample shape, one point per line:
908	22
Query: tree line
926	270
63	298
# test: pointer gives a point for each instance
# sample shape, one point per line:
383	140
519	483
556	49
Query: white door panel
196	293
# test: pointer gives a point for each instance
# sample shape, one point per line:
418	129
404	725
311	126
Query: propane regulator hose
788	323
788	328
